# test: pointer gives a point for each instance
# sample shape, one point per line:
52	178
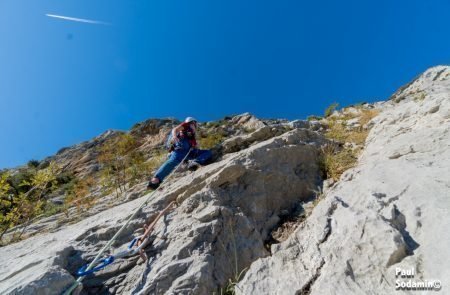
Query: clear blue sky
62	82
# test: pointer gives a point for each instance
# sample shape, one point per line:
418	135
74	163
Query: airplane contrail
82	20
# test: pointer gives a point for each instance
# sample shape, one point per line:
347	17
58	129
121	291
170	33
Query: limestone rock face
240	142
225	213
391	211
248	121
82	159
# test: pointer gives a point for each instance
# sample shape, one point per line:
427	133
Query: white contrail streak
82	20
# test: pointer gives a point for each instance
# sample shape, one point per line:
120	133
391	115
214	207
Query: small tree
33	163
117	157
138	168
123	164
80	195
21	203
31	203
7	204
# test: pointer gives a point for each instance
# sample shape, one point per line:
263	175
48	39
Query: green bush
52	209
33	163
314	118
329	110
334	161
43	165
79	195
64	177
22	196
210	140
21	179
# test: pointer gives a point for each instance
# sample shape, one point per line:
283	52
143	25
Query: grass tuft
334	159
210	140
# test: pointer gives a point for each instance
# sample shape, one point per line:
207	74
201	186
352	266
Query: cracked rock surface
392	210
226	211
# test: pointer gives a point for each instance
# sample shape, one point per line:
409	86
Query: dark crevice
384	204
407	243
398	221
349	271
332	208
383	278
287	224
344	204
439	74
363	229
327	231
144	278
306	289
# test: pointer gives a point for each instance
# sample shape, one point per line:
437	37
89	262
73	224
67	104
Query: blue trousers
201	156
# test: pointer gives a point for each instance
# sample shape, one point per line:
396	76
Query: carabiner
103	263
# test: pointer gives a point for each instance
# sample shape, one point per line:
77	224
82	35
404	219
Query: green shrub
359	105
115	156
52	209
24	202
79	195
64	177
419	96
124	165
21	179
43	165
314	118
210	140
333	161
33	163
329	110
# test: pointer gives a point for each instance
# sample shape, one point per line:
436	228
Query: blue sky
62	82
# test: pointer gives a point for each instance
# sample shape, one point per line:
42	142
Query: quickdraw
141	241
103	263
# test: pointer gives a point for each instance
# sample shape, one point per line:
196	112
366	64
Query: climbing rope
142	242
92	267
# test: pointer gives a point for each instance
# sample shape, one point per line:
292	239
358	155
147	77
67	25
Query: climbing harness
98	263
186	133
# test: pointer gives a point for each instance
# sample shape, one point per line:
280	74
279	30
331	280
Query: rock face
391	211
248	121
82	159
225	214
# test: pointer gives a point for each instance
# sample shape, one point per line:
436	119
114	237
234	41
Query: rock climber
181	141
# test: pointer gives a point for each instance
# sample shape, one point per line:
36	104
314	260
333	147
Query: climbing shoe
193	165
153	185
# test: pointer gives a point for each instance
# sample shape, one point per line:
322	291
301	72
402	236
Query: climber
181	143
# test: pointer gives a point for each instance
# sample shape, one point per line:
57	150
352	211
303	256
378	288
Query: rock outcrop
248	121
226	212
391	211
